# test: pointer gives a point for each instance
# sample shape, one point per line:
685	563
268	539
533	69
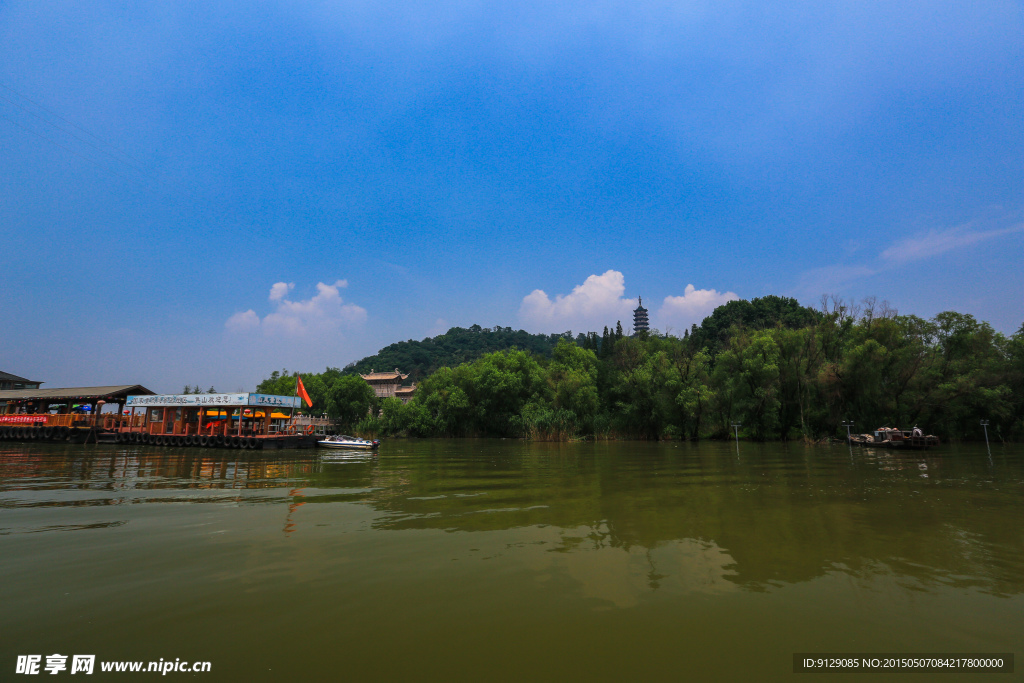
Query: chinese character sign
274	401
173	400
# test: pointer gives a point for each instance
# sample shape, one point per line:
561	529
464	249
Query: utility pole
736	428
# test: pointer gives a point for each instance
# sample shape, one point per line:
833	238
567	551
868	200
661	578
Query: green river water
504	560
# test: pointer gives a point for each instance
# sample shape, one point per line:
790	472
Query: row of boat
891	437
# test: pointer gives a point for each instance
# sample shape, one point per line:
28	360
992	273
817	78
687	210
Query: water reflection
297	502
43	469
621	519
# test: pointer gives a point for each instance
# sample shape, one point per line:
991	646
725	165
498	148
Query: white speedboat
349	442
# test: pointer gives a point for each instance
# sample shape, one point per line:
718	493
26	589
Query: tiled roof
8	377
120	390
384	375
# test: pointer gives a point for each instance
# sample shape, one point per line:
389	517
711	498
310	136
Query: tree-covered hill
458	345
757	314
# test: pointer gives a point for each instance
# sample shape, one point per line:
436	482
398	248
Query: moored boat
891	437
349	442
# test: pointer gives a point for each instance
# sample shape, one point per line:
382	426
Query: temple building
404	394
389	385
640	323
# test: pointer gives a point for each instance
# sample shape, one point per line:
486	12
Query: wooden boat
347	442
891	437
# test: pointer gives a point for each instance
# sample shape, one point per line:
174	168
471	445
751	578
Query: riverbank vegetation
782	370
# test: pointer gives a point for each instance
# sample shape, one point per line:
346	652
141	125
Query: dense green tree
404	419
1014	425
640	394
747	375
279	383
446	404
572	385
782	370
500	385
318	390
351	398
696	395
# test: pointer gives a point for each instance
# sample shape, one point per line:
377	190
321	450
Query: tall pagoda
640	323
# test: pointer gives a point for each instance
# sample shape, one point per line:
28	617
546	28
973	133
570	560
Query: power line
70	123
98	149
65	148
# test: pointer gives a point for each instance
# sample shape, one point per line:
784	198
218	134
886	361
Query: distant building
640	318
9	382
405	394
389	385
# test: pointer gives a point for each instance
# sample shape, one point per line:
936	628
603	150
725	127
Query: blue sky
204	192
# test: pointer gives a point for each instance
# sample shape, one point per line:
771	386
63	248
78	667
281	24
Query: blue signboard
275	401
212	400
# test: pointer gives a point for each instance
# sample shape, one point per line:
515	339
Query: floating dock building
242	420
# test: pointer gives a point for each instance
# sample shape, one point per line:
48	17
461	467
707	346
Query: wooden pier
84	435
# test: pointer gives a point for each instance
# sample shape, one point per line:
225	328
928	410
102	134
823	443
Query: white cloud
692	307
937	242
280	290
828	279
597	302
243	321
324	312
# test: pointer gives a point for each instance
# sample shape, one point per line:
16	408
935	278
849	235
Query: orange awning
218	413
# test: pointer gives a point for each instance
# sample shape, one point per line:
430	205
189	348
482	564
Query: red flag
301	391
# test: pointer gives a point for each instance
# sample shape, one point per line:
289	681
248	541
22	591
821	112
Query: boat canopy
222	413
